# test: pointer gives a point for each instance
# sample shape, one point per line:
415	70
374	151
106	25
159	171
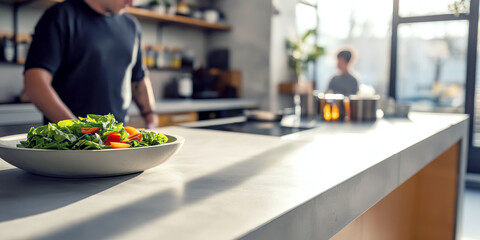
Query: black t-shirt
93	58
345	84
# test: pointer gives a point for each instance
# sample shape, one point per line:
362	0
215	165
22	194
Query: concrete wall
11	82
283	27
6	15
249	44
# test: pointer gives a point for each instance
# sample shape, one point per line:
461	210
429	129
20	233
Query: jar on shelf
167	57
183	8
22	50
150	58
8	49
23	44
176	57
171	6
161	58
160	8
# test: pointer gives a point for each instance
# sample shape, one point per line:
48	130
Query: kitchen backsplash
11	82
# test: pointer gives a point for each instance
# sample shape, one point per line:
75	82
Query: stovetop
273	128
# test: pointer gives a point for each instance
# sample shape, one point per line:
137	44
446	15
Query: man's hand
151	120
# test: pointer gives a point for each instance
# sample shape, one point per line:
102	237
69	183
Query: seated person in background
344	83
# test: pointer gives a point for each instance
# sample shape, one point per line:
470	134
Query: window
365	27
431	65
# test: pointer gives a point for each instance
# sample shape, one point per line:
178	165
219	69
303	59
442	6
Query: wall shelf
148	15
141	14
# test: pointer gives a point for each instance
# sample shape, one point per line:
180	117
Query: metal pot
363	108
329	102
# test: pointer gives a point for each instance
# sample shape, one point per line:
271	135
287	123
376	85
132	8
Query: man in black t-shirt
85	58
344	83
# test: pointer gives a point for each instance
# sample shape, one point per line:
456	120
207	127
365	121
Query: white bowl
86	163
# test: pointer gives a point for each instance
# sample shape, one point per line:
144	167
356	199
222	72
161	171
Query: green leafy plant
92	132
459	6
303	51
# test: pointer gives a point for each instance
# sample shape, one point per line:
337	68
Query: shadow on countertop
142	211
23	194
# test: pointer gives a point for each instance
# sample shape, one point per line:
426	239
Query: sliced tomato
131	130
113	137
90	130
120	145
138	137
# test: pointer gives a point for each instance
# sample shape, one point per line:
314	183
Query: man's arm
38	88
143	96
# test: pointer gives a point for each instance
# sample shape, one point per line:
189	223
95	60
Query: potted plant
302	52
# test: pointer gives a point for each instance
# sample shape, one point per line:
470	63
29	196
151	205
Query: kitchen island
390	179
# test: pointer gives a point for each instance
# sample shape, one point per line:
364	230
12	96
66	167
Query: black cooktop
260	127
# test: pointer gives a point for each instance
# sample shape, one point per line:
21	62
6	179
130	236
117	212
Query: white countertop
198	105
224	185
26	113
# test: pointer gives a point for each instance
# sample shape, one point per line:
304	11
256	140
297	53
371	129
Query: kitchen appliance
330	107
219	58
363	107
204	85
185	86
216	83
244	125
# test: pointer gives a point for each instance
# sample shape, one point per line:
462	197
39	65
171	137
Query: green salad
92	132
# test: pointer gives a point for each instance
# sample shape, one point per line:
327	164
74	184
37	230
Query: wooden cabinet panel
423	207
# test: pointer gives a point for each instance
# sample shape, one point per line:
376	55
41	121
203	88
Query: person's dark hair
345	54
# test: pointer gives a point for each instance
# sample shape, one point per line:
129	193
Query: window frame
472	18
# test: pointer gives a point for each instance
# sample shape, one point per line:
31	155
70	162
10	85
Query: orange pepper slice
138	137
90	130
118	145
131	130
